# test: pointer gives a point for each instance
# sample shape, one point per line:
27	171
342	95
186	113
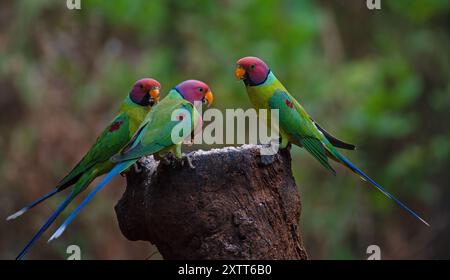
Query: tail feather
350	165
45	226
116	170
335	141
31	205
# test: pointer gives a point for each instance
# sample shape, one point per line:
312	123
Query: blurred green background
376	78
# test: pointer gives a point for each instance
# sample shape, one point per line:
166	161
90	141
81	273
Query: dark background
377	78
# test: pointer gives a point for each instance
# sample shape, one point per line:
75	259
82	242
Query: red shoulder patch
180	117
115	126
289	104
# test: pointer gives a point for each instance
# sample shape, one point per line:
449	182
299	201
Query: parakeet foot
285	145
168	159
188	159
289	146
137	167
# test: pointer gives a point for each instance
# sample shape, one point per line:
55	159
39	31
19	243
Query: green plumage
113	138
155	136
95	163
155	132
297	127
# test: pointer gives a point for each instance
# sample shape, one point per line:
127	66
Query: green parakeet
143	95
155	135
295	125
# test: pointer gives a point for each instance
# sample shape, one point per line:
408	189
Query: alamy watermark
74	252
373	4
374	252
235	127
73	4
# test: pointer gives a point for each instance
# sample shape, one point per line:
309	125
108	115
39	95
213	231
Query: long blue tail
349	164
31	205
116	170
44	227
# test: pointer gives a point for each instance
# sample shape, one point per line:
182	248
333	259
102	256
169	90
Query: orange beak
209	97
154	94
239	72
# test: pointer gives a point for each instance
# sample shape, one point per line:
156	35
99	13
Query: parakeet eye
252	66
200	89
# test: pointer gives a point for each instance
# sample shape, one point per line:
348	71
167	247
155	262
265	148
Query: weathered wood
231	206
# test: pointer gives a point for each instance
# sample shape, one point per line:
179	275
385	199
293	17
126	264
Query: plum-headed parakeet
143	95
295	125
155	135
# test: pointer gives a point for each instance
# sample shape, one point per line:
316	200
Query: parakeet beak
208	99
154	95
239	72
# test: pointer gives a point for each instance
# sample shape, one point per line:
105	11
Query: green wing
296	122
110	142
315	147
154	135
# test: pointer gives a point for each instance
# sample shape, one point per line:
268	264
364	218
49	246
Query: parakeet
155	134
265	91
143	95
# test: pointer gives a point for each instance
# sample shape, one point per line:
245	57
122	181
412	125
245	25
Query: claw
137	167
289	146
188	159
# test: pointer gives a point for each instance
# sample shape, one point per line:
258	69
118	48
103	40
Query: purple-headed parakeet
155	136
295	125
96	162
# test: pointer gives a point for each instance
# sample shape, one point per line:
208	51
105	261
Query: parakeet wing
155	134
294	120
112	139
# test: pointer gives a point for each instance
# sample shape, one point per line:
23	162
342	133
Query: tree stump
231	206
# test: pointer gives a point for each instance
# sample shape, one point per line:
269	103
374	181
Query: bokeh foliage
378	78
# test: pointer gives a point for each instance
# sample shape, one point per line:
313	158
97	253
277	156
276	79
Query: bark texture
233	205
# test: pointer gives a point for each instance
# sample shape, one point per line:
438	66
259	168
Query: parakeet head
145	92
193	90
252	70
